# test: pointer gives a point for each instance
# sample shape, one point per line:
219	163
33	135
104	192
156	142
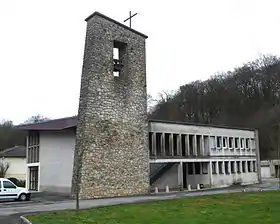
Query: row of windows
172	144
197	168
232	142
33	147
228	167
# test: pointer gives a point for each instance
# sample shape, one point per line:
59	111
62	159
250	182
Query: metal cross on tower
129	18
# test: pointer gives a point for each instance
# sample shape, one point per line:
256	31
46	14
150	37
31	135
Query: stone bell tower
111	154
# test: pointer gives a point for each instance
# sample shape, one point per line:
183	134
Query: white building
16	158
181	154
208	155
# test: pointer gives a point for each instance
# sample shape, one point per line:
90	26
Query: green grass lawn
240	208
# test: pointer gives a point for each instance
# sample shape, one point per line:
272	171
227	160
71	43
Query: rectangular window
167	144
242	143
175	144
224	142
254	166
204	168
247	143
232	167
191	143
8	185
249	166
230	142
206	151
198	144
197	167
214	170
220	164
190	168
119	50
253	143
238	167
151	143
158	143
212	142
236	143
33	147
243	166
183	144
226	167
219	142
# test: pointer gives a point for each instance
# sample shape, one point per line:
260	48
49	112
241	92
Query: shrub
19	183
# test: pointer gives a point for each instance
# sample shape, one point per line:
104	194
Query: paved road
11	210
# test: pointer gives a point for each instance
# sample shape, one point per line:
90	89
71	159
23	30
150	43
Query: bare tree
36	119
4	166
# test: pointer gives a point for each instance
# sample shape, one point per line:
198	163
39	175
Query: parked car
8	190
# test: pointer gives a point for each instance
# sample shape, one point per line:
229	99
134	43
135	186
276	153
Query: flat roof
201	125
116	22
71	122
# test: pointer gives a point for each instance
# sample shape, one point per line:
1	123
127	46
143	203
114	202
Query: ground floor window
204	168
220	167
214	169
243	166
232	167
238	167
227	167
33	178
254	166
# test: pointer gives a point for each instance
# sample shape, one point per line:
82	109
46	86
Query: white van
8	190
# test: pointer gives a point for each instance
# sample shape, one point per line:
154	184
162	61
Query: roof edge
116	22
202	125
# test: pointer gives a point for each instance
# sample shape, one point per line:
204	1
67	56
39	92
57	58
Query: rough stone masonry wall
112	129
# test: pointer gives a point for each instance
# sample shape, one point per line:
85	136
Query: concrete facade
56	161
111	155
212	156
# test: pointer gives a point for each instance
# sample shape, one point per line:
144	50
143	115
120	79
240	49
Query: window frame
10	182
219	140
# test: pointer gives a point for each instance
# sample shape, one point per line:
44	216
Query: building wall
170	178
56	160
17	168
112	128
223	180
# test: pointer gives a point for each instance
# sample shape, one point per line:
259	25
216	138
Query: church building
112	149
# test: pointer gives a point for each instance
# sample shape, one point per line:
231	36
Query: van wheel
22	197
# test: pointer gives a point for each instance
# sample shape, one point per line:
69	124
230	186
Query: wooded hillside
248	96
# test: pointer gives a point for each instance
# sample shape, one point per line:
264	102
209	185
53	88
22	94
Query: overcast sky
42	44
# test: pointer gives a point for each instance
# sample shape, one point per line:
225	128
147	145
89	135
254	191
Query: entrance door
33	178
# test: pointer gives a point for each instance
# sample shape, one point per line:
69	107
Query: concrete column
187	145
154	151
194	146
171	144
162	139
180	175
229	167
258	155
223	167
179	145
202	145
